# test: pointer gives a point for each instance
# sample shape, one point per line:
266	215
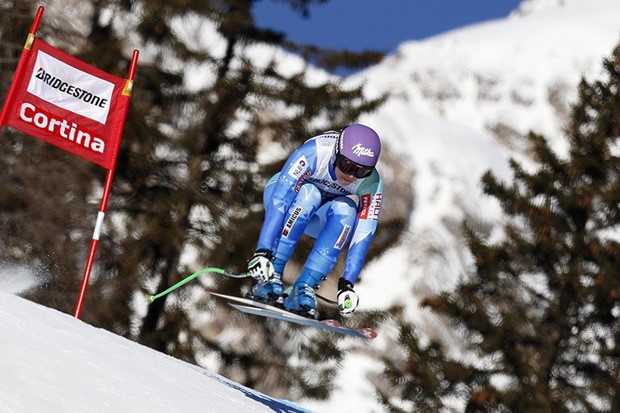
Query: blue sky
377	24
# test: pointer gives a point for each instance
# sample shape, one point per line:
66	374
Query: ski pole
191	277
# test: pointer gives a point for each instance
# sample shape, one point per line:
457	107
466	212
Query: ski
249	306
329	325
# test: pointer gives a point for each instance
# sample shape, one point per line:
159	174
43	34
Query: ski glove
260	266
347	298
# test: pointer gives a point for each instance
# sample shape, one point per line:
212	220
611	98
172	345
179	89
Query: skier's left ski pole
191	277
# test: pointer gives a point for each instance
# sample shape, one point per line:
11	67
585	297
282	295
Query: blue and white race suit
306	197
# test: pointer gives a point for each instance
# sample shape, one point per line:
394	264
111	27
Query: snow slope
54	363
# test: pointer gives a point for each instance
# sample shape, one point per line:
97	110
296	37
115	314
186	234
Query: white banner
71	89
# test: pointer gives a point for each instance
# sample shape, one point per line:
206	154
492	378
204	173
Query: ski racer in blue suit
330	190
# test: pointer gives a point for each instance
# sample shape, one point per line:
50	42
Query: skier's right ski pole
191	277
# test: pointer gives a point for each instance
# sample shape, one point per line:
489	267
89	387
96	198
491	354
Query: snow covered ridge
54	363
533	6
505	77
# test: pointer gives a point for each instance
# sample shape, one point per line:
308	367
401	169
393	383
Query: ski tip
369	333
151	298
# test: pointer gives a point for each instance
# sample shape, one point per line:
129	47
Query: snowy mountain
459	103
504	77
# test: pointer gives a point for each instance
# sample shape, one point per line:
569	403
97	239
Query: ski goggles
349	167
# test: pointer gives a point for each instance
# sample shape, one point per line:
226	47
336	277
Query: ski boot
302	301
269	292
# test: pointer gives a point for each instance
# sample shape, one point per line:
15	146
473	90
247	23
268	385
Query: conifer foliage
540	316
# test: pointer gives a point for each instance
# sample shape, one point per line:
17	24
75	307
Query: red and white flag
69	104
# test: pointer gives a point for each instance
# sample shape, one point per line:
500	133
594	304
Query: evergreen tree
540	317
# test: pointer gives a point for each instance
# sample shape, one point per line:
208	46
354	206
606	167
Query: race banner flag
74	106
70	104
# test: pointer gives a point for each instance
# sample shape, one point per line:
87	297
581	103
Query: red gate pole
106	194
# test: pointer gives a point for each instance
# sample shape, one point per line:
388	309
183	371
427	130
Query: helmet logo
359	150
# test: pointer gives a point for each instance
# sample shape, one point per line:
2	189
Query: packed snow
54	363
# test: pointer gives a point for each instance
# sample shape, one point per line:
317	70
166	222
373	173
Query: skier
329	189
